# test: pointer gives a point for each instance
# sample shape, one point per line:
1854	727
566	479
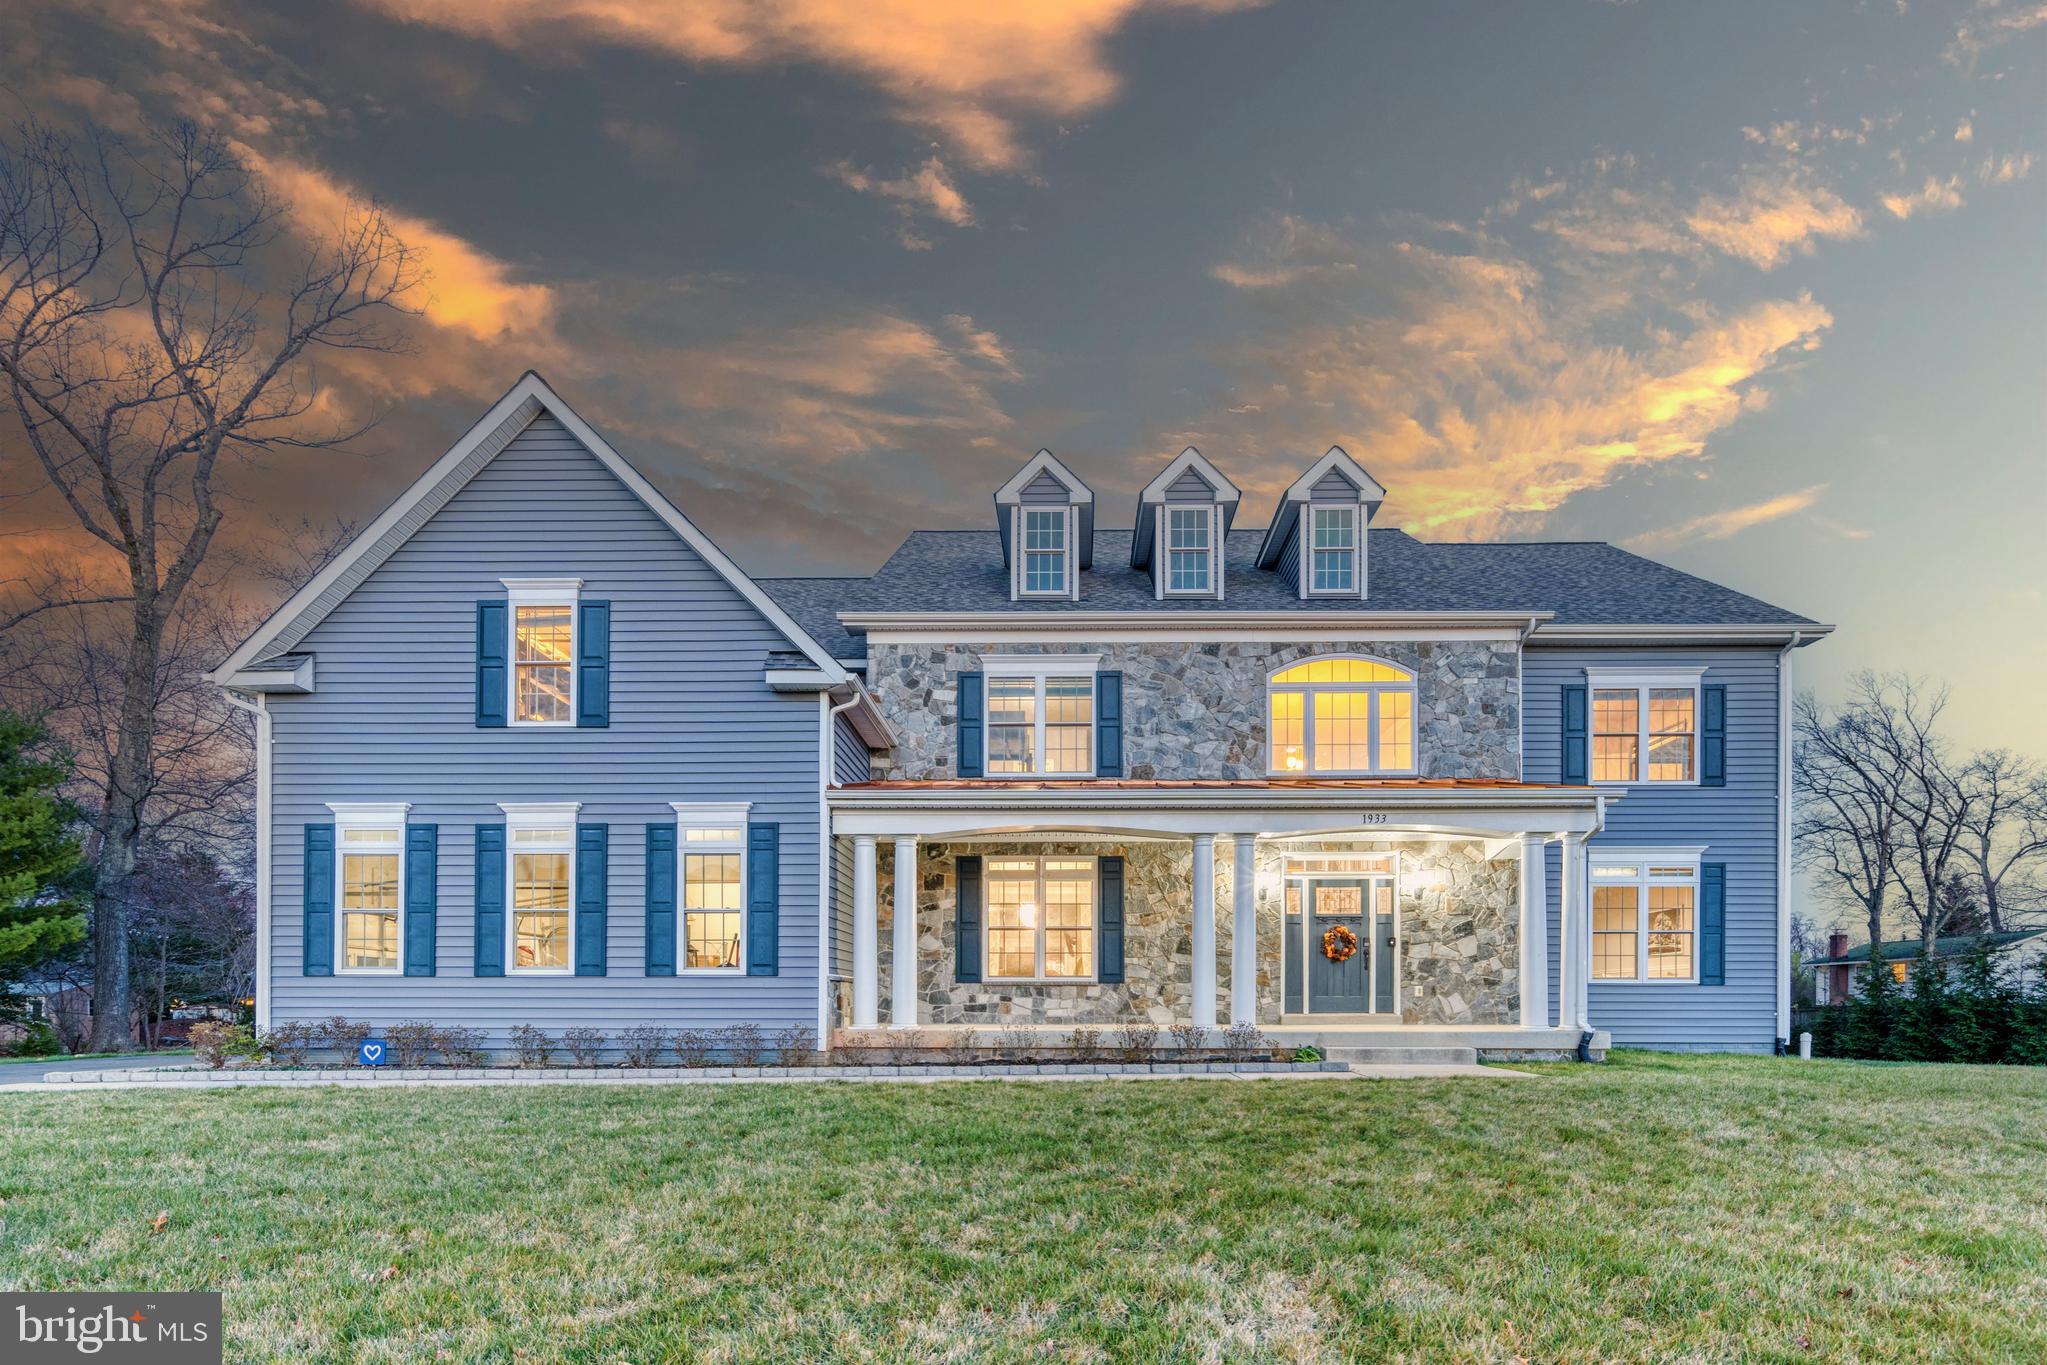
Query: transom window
1044	551
712	843
1041	718
371	864
1333	550
543	650
1646	729
541	850
1343	716
1041	919
1190	549
1645	919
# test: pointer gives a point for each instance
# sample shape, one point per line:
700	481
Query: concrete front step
1396	1055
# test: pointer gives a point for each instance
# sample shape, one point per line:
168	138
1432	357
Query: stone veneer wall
1458	918
1198	710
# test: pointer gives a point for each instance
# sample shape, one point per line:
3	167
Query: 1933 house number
1373	818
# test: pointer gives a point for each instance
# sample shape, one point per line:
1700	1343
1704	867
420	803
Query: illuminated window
1041	919
1645	920
1645	730
540	873
1190	546
712	843
1040	718
1342	715
543	650
371	863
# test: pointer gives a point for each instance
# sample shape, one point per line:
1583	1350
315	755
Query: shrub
794	1046
1190	1039
1016	1044
344	1035
1307	1055
411	1043
532	1044
1086	1045
585	1045
1244	1042
39	1040
960	1049
693	1046
745	1045
214	1042
290	1042
1137	1044
460	1045
643	1044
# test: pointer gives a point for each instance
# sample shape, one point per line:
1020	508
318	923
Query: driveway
14	1073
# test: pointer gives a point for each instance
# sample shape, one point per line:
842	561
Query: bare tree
2004	837
1850	815
142	340
1934	803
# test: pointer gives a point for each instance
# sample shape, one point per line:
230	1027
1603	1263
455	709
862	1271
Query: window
1041	716
1645	729
1044	551
1333	550
543	649
540	846
1342	715
1645	917
1190	545
712	845
370	871
1041	919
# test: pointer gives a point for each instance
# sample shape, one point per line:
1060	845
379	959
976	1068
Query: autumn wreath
1338	943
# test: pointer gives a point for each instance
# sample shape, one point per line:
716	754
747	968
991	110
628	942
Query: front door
1338	928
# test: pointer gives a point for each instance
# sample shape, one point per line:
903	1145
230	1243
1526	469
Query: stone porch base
1493	1044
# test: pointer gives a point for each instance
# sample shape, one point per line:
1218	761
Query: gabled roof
1046	465
447	476
1188	461
1335	461
1948	945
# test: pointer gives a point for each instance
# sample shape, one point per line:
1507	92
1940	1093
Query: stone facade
1198	710
1459	945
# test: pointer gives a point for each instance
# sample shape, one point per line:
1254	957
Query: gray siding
1333	486
1190	487
850	763
850	759
1289	567
1737	824
1045	488
691	720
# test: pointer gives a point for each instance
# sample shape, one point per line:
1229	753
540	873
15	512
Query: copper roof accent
1086	784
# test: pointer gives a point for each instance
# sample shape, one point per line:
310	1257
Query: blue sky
1755	288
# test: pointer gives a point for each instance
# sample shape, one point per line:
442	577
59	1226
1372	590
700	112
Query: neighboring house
534	751
2021	953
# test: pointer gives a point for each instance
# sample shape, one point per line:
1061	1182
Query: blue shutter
1575	771
1713	924
422	877
592	844
1713	736
1109	724
966	885
972	735
490	900
316	949
1109	873
493	683
593	664
661	873
763	898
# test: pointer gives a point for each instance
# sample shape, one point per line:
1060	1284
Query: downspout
827	746
257	705
1783	1038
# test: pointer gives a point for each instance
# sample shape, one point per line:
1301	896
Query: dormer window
1182	527
1190	550
1045	552
1320	533
1333	566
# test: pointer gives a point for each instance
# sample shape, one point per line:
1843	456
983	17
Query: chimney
1837	943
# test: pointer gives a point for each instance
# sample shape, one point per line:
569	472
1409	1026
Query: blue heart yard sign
371	1053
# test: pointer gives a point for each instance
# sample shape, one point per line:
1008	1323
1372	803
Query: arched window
1341	716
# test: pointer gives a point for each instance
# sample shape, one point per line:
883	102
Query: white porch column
1244	932
1203	1006
902	1005
1574	953
1534	935
866	936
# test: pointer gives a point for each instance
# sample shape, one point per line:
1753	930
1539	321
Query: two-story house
534	751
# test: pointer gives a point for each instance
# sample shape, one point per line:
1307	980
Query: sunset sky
1757	288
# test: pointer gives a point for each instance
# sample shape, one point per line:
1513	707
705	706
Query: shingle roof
1905	949
1581	582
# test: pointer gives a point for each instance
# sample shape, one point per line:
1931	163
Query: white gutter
1211	798
257	706
1784	838
1072	621
1687	635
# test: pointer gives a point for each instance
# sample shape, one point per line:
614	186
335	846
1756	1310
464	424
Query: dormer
1046	517
1318	533
1183	521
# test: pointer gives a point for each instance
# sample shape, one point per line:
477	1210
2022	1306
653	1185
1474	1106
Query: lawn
1654	1208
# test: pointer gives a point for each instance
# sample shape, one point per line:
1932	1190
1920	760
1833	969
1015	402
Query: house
533	751
2019	952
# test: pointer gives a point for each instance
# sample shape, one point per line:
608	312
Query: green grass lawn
1655	1208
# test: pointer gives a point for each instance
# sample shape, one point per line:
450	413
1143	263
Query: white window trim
1038	948
537	815
1020	579
1641	859
1162	540
540	592
1307	690
1306	533
1039	667
691	815
366	815
1640	682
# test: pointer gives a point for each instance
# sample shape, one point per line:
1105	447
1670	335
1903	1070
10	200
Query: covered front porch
1410	914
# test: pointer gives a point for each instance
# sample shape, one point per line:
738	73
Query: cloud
1772	216
1733	521
1935	196
2003	170
1965	131
1766	215
927	191
1991	25
969	71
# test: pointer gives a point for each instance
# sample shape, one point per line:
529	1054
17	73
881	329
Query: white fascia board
1039	463
1336	457
1190	458
542	813
294	677
800	680
1546	634
912	627
532	389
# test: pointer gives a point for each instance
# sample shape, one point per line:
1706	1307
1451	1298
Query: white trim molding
530	813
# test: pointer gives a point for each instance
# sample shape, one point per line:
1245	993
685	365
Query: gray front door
1338	987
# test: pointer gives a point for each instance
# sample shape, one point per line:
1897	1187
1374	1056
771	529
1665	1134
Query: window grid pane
1671	715
1614	922
1616	737
1187	556
1671	933
371	941
543	656
1045	551
1041	911
1342	731
1069	724
1333	558
540	911
1289	749
369	882
1012	721
1396	731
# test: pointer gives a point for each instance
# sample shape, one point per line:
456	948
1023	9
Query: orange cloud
928	191
1733	521
1935	196
1770	217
